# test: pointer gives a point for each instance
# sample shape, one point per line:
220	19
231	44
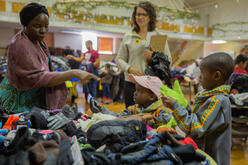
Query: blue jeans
91	87
106	90
150	153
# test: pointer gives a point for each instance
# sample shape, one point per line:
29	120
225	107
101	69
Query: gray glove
70	112
38	118
95	107
57	121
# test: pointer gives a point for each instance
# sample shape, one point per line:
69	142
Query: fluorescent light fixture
218	42
70	32
216	5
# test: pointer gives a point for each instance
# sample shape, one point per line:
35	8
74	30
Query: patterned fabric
213	104
161	114
209	123
235	76
16	101
239	82
29	70
202	96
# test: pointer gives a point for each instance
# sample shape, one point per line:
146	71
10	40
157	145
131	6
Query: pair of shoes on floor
95	107
106	100
118	100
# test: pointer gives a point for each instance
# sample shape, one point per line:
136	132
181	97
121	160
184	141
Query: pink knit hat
150	82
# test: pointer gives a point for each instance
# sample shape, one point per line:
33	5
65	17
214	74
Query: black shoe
95	106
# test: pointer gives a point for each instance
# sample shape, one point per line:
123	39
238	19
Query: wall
118	44
62	40
192	51
107	57
229	46
227	11
5	36
49	39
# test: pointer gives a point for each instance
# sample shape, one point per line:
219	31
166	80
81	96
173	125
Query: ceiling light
218	42
216	5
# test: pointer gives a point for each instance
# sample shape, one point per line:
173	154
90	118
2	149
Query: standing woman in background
132	56
30	80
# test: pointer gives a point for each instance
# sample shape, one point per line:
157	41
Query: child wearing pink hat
147	99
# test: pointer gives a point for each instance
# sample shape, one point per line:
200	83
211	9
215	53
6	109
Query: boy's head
241	61
244	50
147	89
89	44
107	66
215	70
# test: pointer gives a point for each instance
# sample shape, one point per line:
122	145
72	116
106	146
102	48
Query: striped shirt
209	123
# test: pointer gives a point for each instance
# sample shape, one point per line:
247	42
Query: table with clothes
65	136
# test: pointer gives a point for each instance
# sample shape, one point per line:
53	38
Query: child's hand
147	117
168	101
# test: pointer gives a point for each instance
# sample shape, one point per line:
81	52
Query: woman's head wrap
30	11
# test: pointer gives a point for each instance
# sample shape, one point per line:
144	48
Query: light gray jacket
131	53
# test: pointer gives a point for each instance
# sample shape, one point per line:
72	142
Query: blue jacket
155	150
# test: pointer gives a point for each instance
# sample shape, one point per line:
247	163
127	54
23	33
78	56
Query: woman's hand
148	54
85	77
135	71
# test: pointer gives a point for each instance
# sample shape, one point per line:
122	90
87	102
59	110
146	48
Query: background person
132	55
30	80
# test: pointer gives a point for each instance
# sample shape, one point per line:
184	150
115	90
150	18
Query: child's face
143	96
207	79
107	67
243	64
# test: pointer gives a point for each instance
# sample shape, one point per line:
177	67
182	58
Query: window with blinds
105	45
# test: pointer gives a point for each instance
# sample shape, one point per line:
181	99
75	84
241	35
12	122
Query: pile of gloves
42	119
60	63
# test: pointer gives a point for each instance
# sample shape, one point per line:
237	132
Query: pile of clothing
180	74
159	66
239	89
238	82
60	63
60	137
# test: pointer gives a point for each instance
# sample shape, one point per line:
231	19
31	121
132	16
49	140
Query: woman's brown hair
151	11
